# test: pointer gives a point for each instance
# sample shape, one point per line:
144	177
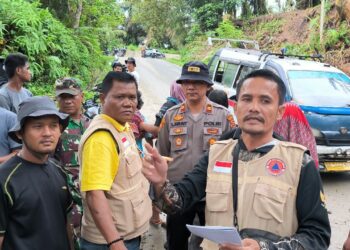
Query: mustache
256	117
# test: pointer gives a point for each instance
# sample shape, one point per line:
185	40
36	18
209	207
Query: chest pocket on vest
217	196
132	160
210	135
178	138
269	202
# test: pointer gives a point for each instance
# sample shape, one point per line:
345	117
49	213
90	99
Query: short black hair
219	96
268	75
13	61
112	76
116	64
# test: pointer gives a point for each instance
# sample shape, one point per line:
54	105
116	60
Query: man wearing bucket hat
69	97
186	132
131	65
34	197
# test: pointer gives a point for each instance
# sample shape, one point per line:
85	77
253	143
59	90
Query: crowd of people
71	182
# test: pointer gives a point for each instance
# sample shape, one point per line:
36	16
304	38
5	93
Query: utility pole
322	20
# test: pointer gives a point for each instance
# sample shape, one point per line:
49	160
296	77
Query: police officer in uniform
186	132
269	189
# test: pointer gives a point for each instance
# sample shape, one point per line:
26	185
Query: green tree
53	49
162	20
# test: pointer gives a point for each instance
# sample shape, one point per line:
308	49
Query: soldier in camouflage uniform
70	98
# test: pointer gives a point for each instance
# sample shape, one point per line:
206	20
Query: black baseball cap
196	71
132	60
36	106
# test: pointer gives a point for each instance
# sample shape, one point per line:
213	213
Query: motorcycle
91	106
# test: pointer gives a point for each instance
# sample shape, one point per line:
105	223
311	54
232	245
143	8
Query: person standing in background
70	98
131	67
294	127
18	72
8	147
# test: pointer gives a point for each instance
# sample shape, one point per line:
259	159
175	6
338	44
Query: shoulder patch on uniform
209	108
182	108
162	123
231	121
177	106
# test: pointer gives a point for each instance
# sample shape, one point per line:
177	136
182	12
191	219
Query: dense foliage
53	49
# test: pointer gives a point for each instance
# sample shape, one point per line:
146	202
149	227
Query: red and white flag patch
223	167
125	142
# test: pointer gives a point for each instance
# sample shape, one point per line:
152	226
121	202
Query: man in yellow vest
267	188
116	205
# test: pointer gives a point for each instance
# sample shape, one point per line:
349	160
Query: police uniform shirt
34	201
186	137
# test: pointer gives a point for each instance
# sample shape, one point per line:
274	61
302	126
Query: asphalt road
156	77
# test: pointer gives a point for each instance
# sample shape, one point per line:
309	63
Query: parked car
321	91
153	53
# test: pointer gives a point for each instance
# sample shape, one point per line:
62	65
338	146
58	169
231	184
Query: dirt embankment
300	29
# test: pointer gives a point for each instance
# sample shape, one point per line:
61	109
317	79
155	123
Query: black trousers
177	233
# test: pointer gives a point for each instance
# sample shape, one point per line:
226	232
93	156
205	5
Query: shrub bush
54	50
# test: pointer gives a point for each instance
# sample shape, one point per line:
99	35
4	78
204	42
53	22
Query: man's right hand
155	167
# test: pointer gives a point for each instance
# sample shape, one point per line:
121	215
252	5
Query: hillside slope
298	31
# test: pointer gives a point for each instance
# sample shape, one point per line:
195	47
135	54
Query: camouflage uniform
67	153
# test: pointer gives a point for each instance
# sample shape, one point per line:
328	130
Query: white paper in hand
217	234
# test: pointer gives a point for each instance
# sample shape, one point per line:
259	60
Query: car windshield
320	88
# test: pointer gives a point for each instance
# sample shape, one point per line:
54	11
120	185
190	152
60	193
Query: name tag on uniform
223	167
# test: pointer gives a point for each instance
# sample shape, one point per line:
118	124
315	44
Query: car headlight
316	132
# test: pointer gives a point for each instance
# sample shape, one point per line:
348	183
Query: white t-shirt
136	75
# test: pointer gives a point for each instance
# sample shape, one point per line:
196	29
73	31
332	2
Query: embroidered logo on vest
275	167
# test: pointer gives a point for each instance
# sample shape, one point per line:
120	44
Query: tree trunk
77	15
245	8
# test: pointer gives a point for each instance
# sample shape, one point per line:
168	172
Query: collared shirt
100	158
185	137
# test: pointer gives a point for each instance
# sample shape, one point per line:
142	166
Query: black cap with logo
196	71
